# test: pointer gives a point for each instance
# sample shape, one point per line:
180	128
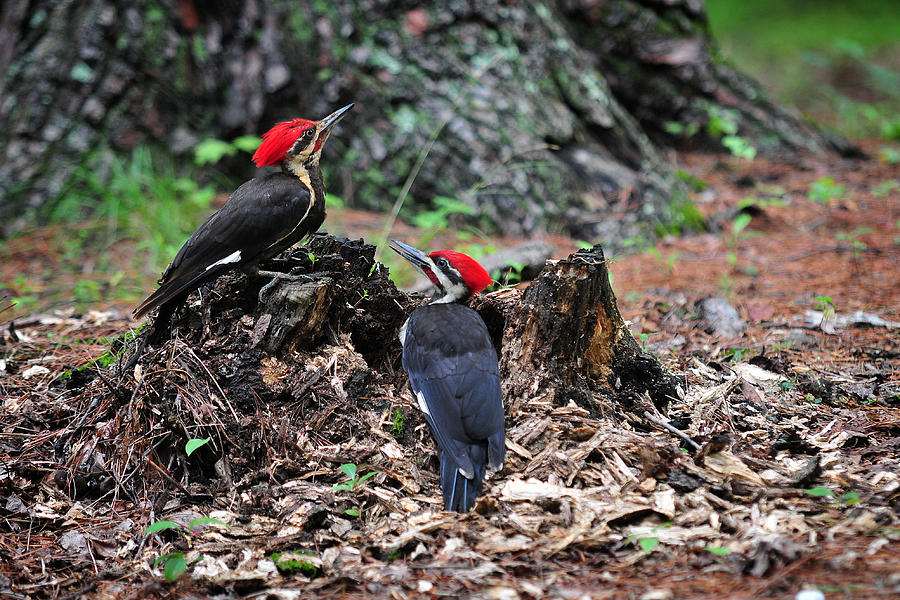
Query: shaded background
94	207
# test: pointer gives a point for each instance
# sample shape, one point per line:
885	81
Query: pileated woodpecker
453	372
263	217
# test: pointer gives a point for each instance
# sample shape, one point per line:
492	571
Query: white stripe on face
452	291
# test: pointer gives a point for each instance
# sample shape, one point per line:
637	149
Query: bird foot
276	277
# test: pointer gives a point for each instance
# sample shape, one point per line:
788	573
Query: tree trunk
321	356
539	112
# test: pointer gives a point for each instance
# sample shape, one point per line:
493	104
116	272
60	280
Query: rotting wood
323	352
563	336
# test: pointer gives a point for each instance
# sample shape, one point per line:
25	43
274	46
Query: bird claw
276	277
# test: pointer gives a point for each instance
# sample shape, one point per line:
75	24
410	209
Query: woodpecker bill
453	372
262	218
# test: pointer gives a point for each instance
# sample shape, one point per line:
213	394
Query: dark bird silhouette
262	218
453	372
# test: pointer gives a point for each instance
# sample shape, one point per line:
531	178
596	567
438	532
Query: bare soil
790	480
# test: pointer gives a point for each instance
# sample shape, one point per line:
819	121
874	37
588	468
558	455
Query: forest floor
796	485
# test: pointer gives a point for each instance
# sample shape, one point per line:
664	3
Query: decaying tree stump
563	336
312	374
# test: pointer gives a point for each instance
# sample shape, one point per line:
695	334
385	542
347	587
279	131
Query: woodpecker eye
308	133
443	263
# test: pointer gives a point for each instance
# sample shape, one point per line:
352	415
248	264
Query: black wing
262	217
453	371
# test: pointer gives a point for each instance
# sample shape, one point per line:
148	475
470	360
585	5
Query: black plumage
453	371
263	217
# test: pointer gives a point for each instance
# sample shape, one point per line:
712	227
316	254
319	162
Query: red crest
472	272
278	140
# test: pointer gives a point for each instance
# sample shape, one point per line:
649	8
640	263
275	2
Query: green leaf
212	151
740	223
673	127
175	566
343	487
850	498
717	550
823	300
819	491
194	443
246	143
349	470
647	544
353	512
739	147
207	521
162	525
368	475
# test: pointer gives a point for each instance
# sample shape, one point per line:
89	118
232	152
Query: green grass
140	198
768	28
118	222
839	62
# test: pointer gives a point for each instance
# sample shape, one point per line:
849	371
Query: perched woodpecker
262	218
453	372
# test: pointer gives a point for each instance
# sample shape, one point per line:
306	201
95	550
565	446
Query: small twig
169	478
80	593
216	383
138	352
65	437
671	429
91	554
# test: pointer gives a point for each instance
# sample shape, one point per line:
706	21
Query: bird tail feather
459	492
175	288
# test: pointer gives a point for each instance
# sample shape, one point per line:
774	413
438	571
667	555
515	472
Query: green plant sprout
681	129
886	187
353	480
644	336
696	184
738	225
759	202
717	550
889	155
858	245
826	189
738	354
174	563
398	427
722	124
646	543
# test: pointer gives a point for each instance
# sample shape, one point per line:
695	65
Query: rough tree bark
244	371
539	111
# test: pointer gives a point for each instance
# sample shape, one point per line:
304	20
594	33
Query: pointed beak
416	257
328	123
